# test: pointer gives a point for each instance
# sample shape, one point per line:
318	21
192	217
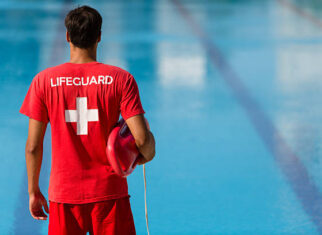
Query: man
82	100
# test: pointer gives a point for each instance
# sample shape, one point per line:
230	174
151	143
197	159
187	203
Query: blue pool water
231	89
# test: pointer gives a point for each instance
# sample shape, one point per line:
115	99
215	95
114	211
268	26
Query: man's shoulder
50	70
118	73
116	69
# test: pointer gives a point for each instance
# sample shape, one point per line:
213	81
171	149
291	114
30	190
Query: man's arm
144	138
34	151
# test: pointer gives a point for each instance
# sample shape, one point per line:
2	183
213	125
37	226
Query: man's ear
67	37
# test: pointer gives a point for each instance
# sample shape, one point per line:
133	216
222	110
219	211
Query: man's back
82	102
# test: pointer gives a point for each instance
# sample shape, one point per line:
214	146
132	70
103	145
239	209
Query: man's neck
80	56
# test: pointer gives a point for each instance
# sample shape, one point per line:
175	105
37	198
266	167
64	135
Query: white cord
146	206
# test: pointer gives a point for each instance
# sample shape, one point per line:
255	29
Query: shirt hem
88	200
33	117
127	116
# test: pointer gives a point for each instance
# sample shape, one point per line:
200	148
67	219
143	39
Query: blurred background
232	90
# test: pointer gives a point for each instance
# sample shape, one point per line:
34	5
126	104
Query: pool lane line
305	14
292	168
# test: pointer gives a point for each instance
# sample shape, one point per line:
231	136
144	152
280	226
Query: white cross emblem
81	115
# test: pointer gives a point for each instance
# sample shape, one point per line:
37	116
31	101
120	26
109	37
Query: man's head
83	26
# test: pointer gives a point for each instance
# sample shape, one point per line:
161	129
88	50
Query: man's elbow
33	149
153	154
146	145
142	141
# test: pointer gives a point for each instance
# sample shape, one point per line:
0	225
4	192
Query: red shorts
97	218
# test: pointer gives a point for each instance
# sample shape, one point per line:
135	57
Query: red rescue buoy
122	152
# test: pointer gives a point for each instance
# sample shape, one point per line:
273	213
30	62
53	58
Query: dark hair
83	25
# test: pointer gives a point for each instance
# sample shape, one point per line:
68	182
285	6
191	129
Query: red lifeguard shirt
82	102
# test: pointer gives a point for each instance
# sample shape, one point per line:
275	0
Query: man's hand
142	160
36	202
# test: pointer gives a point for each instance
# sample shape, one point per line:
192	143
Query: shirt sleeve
33	105
130	100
